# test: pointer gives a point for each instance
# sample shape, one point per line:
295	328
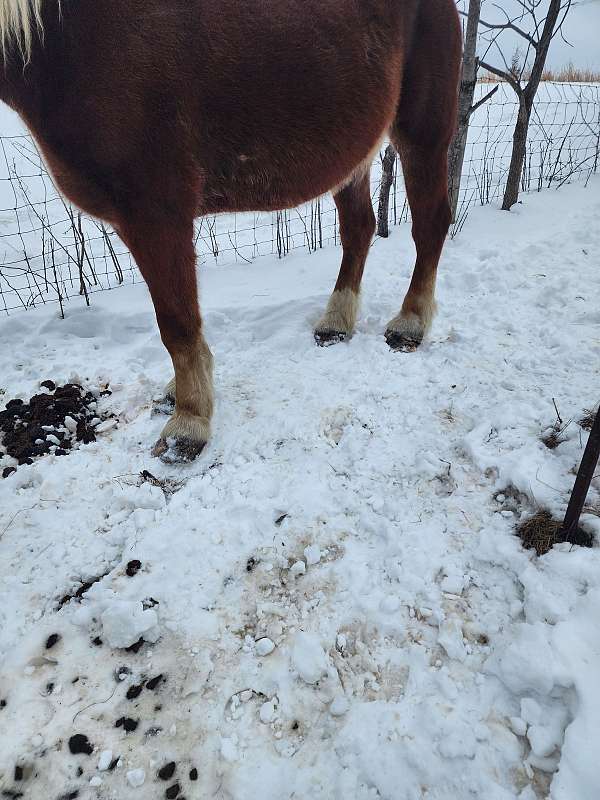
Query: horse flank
18	18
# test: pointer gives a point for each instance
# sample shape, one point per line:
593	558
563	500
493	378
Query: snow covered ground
332	598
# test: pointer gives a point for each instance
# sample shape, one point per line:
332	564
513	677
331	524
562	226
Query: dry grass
555	436
567	74
587	420
541	532
571	74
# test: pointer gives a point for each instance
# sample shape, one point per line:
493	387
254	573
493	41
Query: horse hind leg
164	252
357	225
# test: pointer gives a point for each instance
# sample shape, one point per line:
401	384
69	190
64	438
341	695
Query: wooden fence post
582	482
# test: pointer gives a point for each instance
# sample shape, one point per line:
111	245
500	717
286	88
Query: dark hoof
327	338
177	451
163	407
401	343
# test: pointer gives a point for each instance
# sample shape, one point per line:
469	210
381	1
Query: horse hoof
401	342
327	338
163	407
178	451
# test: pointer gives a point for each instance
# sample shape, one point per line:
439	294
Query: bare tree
538	40
468	82
388	163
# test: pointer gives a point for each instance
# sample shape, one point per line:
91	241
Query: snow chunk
71	424
267	712
308	658
518	725
136	778
451	639
339	707
299	568
124	622
312	554
543	740
528	662
105	760
264	646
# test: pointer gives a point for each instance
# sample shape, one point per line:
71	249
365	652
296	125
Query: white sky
581	29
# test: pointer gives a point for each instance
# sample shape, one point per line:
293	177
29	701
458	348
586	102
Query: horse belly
295	128
242	184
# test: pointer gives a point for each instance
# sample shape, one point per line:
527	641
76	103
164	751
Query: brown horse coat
152	112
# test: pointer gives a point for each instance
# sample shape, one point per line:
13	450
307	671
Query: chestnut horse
150	113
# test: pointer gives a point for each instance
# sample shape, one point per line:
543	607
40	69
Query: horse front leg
164	252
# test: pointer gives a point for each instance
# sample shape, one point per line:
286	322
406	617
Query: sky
581	29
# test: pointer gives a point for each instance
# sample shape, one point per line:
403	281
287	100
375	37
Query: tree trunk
456	156
526	98
387	178
513	182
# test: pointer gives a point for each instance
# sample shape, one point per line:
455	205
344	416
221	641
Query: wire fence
50	252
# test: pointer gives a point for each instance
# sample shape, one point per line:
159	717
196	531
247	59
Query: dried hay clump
587	420
541	532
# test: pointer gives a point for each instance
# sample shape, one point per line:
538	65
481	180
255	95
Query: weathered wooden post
582	483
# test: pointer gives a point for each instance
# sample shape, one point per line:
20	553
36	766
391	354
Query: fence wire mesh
50	252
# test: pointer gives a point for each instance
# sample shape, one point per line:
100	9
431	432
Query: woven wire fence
50	252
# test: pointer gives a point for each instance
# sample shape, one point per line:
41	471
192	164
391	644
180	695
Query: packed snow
332	601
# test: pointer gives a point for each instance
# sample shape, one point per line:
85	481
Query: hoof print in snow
52	640
8	471
178	451
129	725
80	744
327	338
70	795
166	773
172	792
401	343
133	567
194	774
